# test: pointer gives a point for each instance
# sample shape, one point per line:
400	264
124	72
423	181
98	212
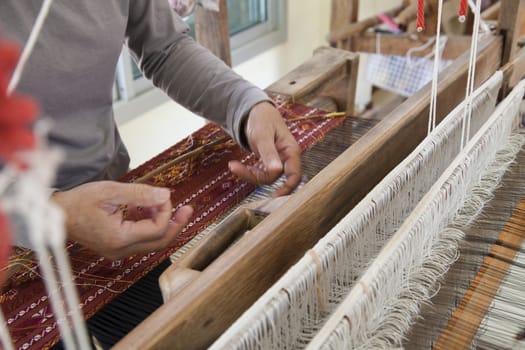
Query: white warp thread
288	315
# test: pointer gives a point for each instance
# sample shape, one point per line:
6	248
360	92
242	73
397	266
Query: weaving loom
291	312
353	242
384	264
224	288
203	310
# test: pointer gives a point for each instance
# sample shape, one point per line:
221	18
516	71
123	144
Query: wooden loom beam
352	34
343	12
346	32
328	67
510	27
229	285
492	13
513	72
212	32
343	37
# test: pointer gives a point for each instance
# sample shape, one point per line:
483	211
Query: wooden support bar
346	31
211	30
492	13
226	288
408	14
327	67
513	72
431	17
343	12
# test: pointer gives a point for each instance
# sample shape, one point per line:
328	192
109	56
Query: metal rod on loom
181	158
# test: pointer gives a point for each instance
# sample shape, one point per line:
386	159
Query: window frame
261	37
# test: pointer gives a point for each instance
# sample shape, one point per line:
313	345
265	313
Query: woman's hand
95	217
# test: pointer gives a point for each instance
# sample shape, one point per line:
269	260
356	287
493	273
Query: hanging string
435	74
420	23
17	113
465	130
28	49
462	13
68	285
45	222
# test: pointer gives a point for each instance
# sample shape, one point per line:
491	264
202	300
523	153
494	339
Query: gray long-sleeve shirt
72	69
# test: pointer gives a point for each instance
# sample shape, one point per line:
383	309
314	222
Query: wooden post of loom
310	83
407	15
343	12
431	17
227	287
211	29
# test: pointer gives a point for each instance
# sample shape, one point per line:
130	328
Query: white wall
308	24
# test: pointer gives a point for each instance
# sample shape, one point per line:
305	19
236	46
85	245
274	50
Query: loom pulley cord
420	24
462	13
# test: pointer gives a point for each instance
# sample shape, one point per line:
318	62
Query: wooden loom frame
350	34
231	283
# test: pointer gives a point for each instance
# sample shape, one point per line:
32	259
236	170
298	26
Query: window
254	25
